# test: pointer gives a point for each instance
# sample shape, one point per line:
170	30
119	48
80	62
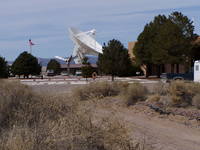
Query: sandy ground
159	132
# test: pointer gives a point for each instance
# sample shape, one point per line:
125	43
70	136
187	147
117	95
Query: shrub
99	90
160	88
134	93
196	101
181	93
54	65
27	120
31	122
19	105
18	138
154	98
76	132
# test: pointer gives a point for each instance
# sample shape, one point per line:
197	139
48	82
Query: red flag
31	43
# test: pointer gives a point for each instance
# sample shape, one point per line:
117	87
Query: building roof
63	66
45	61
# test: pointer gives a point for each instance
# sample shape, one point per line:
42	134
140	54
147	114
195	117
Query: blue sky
46	22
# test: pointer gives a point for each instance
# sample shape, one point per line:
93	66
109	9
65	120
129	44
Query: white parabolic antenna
84	44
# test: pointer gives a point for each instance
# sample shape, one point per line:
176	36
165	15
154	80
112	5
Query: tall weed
181	92
99	90
134	93
36	122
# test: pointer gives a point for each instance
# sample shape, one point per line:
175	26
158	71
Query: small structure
197	71
75	69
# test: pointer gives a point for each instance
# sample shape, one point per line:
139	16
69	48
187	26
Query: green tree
86	69
165	40
184	23
54	65
187	30
26	64
115	60
195	53
3	68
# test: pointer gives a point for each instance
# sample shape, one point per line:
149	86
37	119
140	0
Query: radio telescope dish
84	44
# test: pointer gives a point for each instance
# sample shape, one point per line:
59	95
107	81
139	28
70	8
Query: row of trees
166	40
24	65
114	61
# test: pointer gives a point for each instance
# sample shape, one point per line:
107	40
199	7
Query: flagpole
30	49
31	44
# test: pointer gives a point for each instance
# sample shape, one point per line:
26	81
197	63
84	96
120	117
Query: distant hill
10	63
44	61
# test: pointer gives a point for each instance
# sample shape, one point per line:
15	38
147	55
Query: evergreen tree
115	60
165	40
86	69
3	68
26	64
195	52
54	65
184	24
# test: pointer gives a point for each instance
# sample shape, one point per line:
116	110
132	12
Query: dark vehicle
178	76
50	73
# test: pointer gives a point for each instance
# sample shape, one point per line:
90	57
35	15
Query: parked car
78	73
64	73
177	76
50	73
192	75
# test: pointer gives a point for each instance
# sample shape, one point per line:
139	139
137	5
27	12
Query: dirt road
161	134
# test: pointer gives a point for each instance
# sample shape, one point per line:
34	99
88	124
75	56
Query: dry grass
134	93
19	105
196	101
181	93
27	120
161	88
154	98
177	93
33	122
99	90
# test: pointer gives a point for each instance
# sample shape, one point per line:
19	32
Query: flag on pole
31	43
